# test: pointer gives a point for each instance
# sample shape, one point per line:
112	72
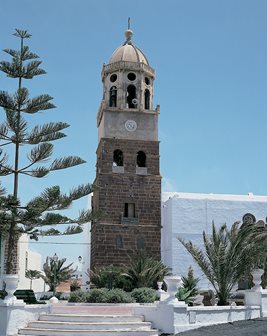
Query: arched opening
118	158
113	96
147	99
141	159
131	96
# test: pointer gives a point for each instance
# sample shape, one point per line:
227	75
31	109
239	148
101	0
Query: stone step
92	309
90	318
63	332
90	326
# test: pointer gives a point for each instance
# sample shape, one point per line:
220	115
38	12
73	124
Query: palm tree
145	271
228	255
55	273
32	275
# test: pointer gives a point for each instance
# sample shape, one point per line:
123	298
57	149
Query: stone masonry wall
115	238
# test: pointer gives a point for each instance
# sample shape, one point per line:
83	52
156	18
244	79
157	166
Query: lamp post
55	259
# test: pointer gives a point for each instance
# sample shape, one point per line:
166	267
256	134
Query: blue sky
210	59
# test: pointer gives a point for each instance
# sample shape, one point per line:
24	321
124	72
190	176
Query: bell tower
127	169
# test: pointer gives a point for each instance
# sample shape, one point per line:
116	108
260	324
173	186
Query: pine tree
16	132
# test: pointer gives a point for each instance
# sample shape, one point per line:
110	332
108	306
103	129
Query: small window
131	97
140	243
119	242
113	78
131	76
147	99
141	159
113	96
118	158
147	80
129	210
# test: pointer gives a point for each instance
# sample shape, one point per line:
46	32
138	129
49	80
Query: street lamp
55	259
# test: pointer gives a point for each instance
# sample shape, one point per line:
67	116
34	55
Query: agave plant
228	255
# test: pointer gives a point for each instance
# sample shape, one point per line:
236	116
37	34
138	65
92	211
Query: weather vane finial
128	33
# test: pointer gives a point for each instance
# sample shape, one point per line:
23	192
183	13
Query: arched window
147	99
141	159
131	96
117	158
113	96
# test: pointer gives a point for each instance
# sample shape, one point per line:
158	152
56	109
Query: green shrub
104	295
74	285
97	295
144	295
77	296
118	295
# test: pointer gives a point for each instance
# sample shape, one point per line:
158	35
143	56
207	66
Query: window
147	80
131	76
118	158
129	210
141	159
113	78
131	97
147	99
113	96
119	242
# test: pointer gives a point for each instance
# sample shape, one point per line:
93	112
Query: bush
97	295
104	295
118	295
144	295
77	296
74	285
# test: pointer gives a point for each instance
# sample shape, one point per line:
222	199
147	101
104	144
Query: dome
128	52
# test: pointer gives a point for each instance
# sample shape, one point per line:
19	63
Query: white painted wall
30	260
186	215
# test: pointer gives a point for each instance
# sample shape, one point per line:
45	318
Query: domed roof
128	52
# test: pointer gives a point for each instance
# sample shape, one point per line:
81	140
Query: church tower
127	169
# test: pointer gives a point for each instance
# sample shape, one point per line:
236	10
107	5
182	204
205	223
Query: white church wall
29	260
187	215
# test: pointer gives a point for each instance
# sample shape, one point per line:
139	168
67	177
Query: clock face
130	125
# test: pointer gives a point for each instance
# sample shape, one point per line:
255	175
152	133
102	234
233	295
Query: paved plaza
257	327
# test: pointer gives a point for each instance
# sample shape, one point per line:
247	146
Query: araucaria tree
15	131
228	255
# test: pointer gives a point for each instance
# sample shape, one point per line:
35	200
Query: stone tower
127	170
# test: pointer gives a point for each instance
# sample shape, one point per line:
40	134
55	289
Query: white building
186	215
28	260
